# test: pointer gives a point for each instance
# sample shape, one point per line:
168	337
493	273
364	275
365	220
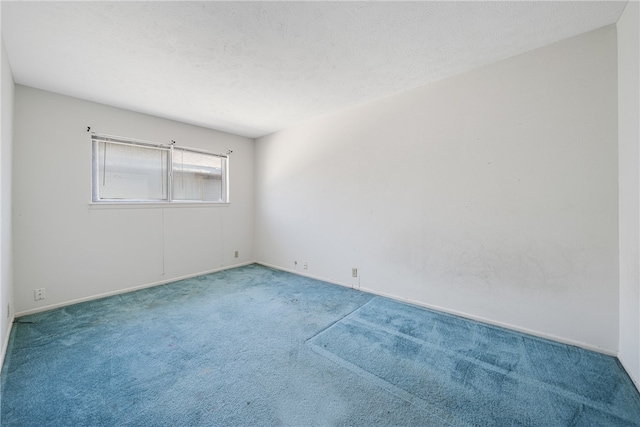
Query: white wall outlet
354	272
305	265
236	254
39	294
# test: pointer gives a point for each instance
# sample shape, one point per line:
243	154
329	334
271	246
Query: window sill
154	205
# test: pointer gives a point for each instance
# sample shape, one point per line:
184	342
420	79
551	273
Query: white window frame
169	148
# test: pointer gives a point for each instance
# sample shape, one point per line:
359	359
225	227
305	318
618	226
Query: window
135	171
197	176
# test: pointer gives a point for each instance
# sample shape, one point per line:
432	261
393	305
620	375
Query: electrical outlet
305	265
39	294
236	254
354	272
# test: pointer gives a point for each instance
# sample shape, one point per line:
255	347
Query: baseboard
5	344
492	322
454	312
310	276
126	290
324	279
633	380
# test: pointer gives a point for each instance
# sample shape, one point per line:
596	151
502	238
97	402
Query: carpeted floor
259	347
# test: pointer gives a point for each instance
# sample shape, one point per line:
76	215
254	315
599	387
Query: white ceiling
252	68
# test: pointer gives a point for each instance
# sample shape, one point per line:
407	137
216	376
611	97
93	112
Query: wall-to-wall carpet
255	346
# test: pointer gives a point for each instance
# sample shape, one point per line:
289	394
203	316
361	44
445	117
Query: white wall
77	252
492	194
629	171
6	267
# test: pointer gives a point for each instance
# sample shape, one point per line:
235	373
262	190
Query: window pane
133	172
198	176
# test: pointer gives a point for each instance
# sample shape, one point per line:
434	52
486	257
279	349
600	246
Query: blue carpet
469	373
256	347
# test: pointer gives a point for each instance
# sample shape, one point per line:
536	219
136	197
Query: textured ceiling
252	68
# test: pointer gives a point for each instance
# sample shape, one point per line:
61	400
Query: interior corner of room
508	194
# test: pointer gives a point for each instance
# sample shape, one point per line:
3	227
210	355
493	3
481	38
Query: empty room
320	213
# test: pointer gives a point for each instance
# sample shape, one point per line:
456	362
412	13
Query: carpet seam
383	384
339	320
